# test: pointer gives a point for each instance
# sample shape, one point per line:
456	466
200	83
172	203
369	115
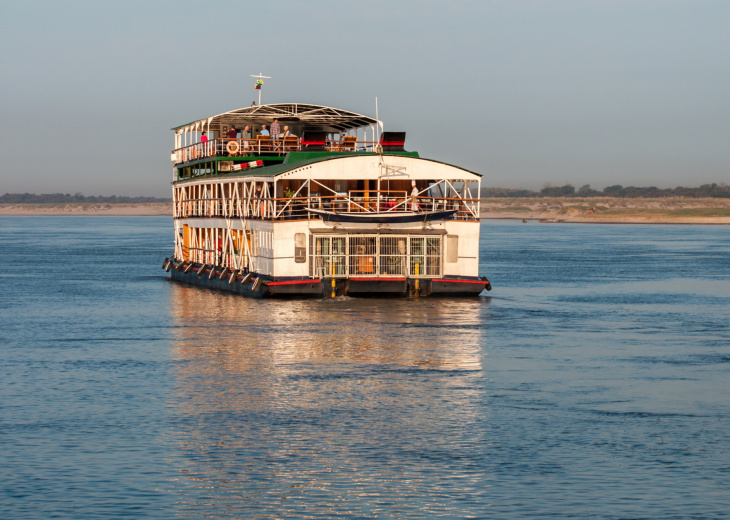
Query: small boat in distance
294	199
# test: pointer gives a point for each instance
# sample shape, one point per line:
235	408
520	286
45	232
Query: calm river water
592	382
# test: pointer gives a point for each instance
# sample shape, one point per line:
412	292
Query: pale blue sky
524	92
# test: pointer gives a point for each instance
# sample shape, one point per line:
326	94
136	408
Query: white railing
299	208
262	145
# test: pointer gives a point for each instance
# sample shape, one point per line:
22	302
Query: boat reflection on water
342	405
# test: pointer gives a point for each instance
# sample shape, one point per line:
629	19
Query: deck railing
226	147
299	208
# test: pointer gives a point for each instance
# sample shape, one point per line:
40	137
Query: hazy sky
595	92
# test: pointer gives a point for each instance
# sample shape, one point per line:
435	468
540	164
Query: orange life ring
232	147
194	151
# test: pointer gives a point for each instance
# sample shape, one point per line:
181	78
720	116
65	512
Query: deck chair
291	144
264	143
349	142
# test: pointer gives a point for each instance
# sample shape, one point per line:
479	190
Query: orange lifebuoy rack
232	147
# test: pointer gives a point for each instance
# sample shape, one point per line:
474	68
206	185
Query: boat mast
259	83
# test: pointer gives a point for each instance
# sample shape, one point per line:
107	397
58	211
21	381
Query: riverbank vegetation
714	190
669	210
77	198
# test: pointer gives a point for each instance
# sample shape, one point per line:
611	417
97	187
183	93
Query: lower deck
315	249
314	258
252	284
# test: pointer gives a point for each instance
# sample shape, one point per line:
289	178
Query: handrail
219	147
296	208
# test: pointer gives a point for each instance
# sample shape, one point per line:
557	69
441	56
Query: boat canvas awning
327	119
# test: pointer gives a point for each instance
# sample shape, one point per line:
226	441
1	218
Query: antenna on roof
259	83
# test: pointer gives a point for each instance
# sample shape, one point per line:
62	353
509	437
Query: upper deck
247	132
322	159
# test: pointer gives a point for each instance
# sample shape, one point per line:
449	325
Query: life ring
194	152
232	147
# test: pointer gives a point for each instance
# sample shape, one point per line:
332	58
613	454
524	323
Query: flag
259	82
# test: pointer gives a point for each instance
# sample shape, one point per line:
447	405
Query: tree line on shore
76	198
713	190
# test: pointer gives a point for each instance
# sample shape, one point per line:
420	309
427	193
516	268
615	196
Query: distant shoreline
81	209
554	210
606	210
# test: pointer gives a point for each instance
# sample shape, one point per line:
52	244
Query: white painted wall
468	262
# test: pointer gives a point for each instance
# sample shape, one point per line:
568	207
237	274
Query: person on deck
264	131
288	193
259	201
275	129
245	135
262	197
414	197
232	132
204	141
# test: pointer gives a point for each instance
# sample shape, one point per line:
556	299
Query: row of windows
376	255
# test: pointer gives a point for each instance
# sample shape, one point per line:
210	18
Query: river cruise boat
305	200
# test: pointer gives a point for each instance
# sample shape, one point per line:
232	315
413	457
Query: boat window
452	248
393	255
300	248
374	255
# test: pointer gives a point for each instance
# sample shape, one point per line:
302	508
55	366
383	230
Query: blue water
592	382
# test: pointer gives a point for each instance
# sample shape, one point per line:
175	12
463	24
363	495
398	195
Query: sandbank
140	209
606	210
589	210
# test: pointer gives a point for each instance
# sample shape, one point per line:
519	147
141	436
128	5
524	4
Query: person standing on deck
245	136
288	193
275	131
259	202
414	197
232	133
204	142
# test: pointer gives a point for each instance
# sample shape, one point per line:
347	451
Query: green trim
295	160
305	156
187	124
